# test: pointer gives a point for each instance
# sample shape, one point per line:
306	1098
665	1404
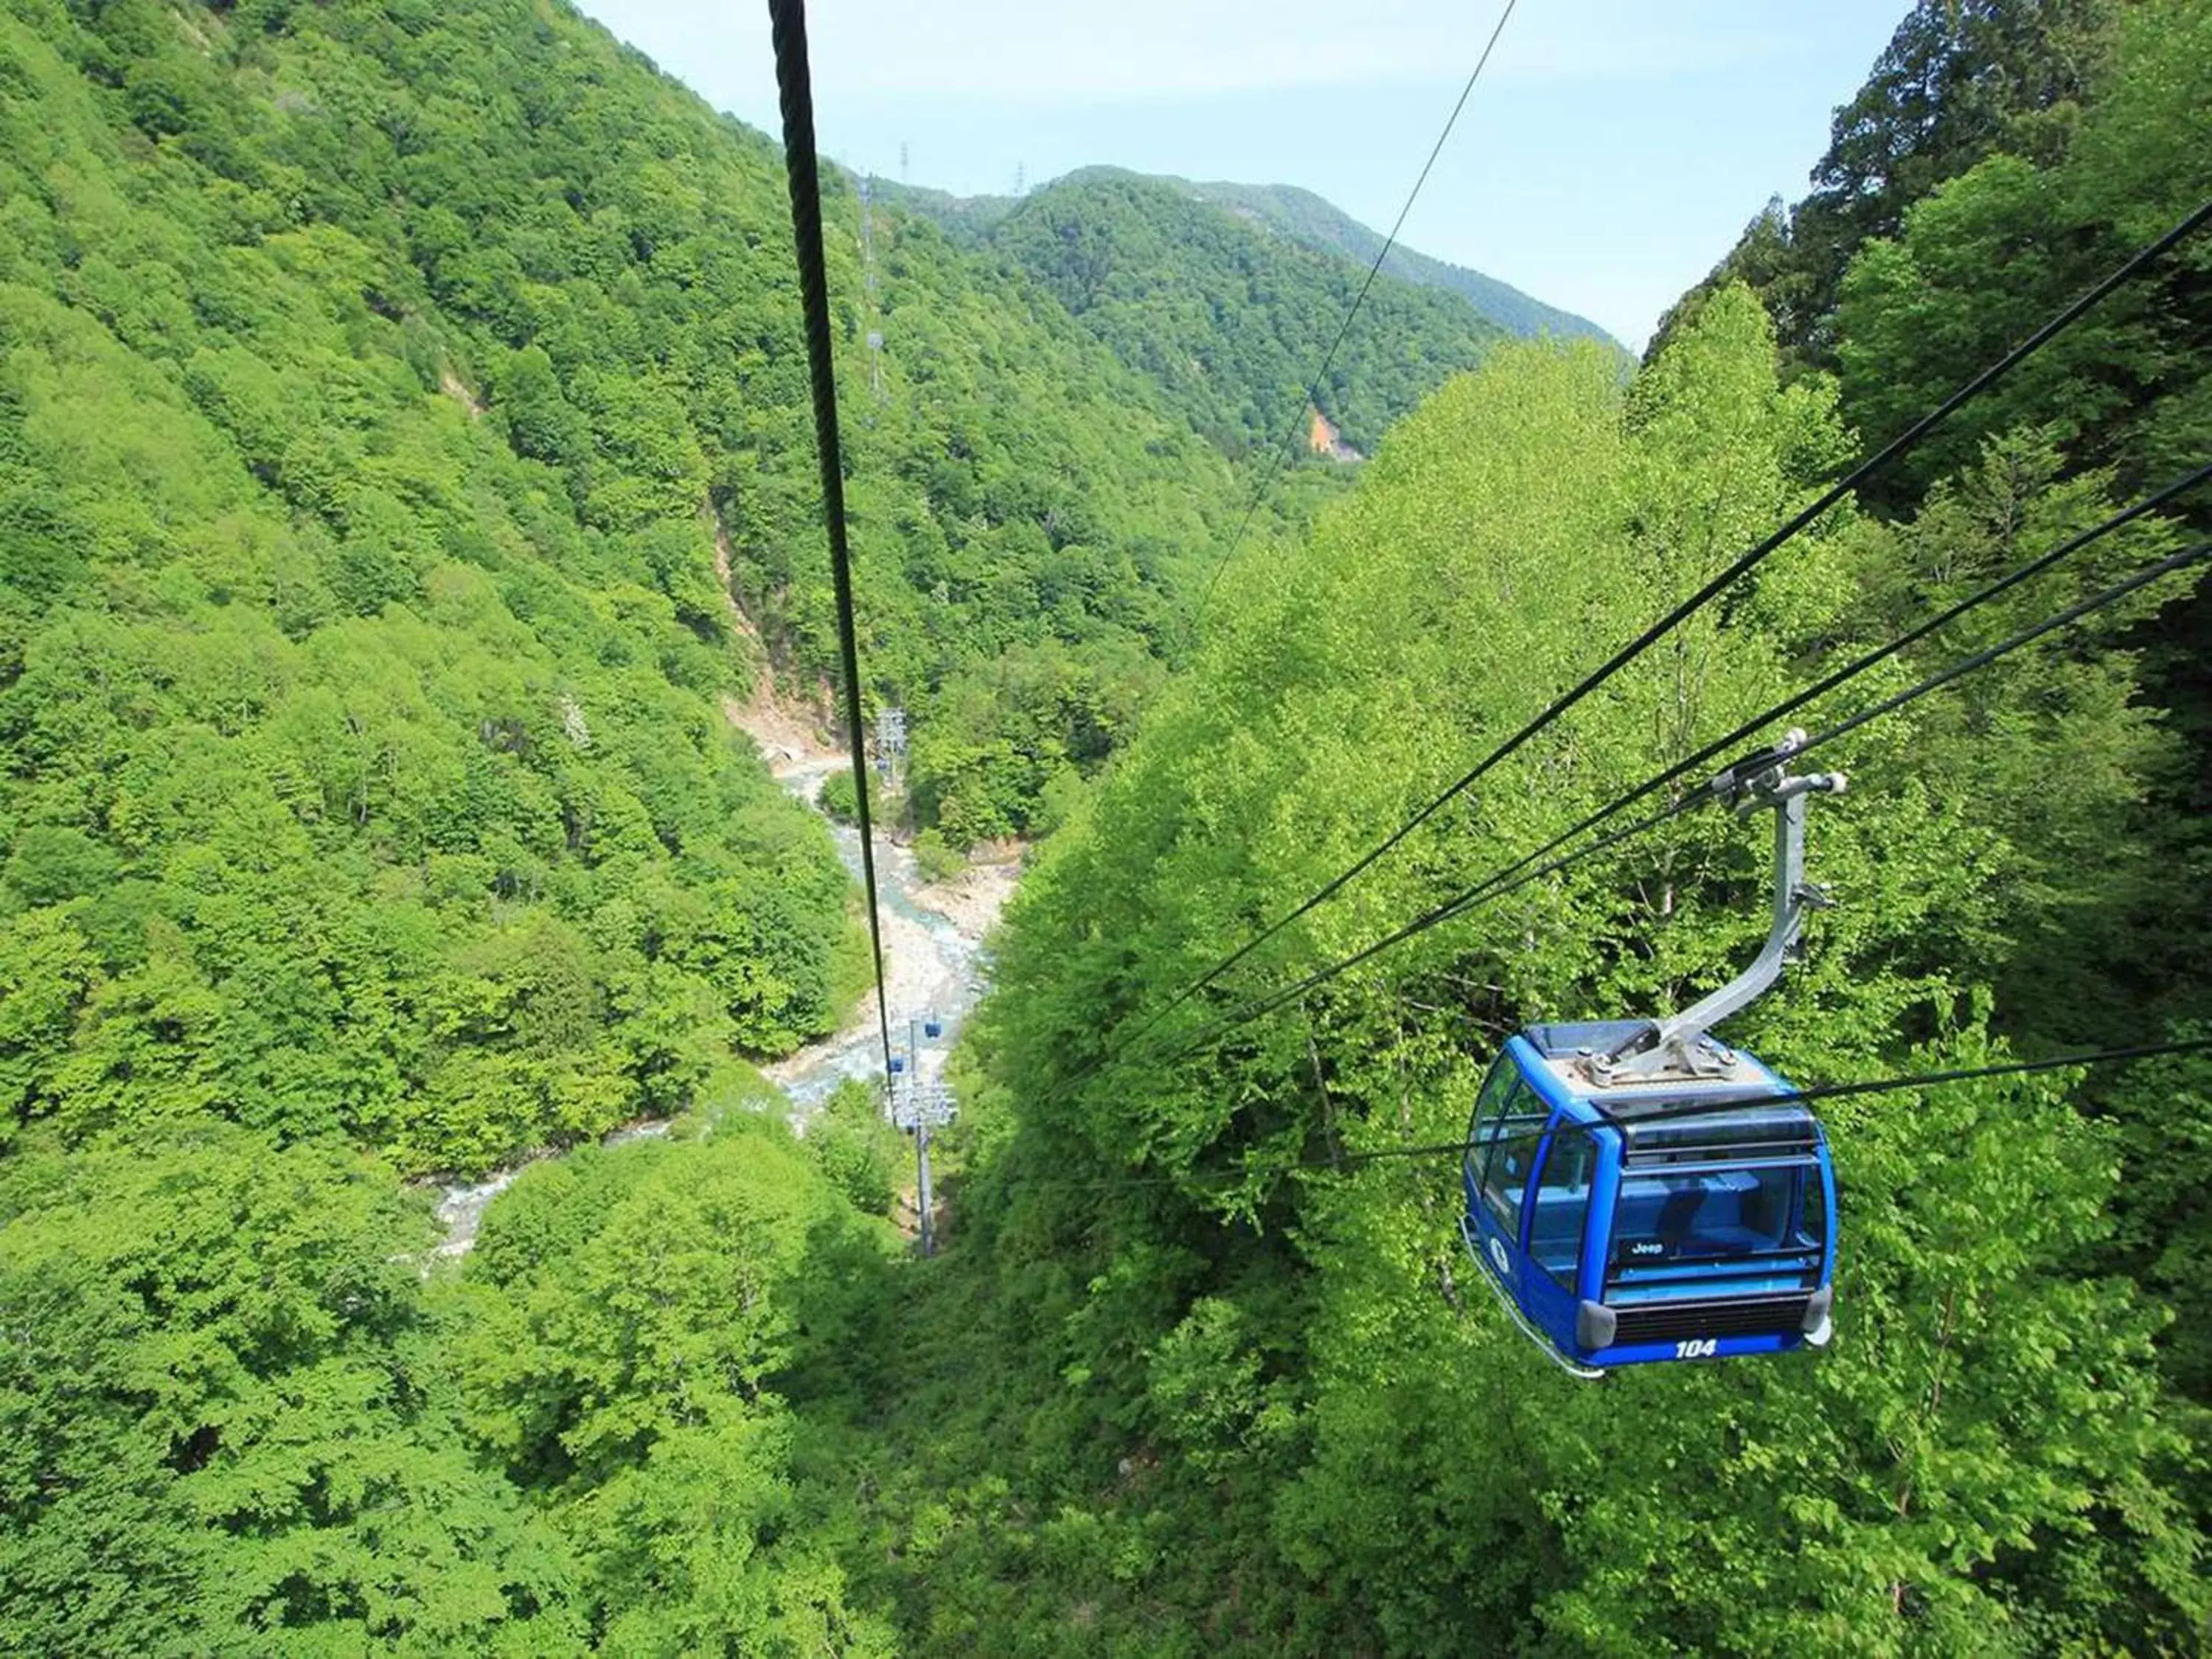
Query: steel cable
788	20
1742	565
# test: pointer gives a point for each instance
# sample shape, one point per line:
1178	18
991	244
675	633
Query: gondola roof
1677	1112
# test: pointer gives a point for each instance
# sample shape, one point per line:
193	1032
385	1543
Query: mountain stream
934	965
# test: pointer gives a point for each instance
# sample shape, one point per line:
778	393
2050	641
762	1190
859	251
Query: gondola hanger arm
1679	1042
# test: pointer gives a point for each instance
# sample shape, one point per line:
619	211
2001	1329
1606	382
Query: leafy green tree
853	1145
224	1428
632	1311
1957	83
840	797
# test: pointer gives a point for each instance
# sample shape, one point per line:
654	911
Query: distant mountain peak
1225	310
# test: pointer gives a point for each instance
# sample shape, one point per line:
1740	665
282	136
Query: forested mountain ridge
1312	222
363	773
1299	214
1227	316
375	385
620	309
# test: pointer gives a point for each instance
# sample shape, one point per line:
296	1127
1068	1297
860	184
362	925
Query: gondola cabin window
1744	1231
1562	1210
1509	1127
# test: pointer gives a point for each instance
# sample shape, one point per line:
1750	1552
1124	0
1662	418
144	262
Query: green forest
406	468
1185	289
1298	216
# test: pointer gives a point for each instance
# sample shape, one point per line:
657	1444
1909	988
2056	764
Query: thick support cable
1495	886
1897	447
787	18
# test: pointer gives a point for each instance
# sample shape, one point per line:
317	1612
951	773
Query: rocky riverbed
934	966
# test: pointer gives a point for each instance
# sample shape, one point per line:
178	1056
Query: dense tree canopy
1228	318
226	1422
1300	1428
1297	1351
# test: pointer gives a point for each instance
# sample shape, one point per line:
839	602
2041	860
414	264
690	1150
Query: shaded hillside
361	770
1229	318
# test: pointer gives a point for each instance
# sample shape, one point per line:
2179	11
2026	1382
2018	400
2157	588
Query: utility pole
928	1202
917	1107
868	285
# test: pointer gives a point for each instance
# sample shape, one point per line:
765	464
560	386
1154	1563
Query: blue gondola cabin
1629	1219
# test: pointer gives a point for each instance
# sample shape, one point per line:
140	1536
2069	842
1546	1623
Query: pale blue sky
1608	158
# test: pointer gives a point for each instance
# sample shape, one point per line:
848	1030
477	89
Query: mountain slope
373	387
1228	318
1298	216
1313	222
